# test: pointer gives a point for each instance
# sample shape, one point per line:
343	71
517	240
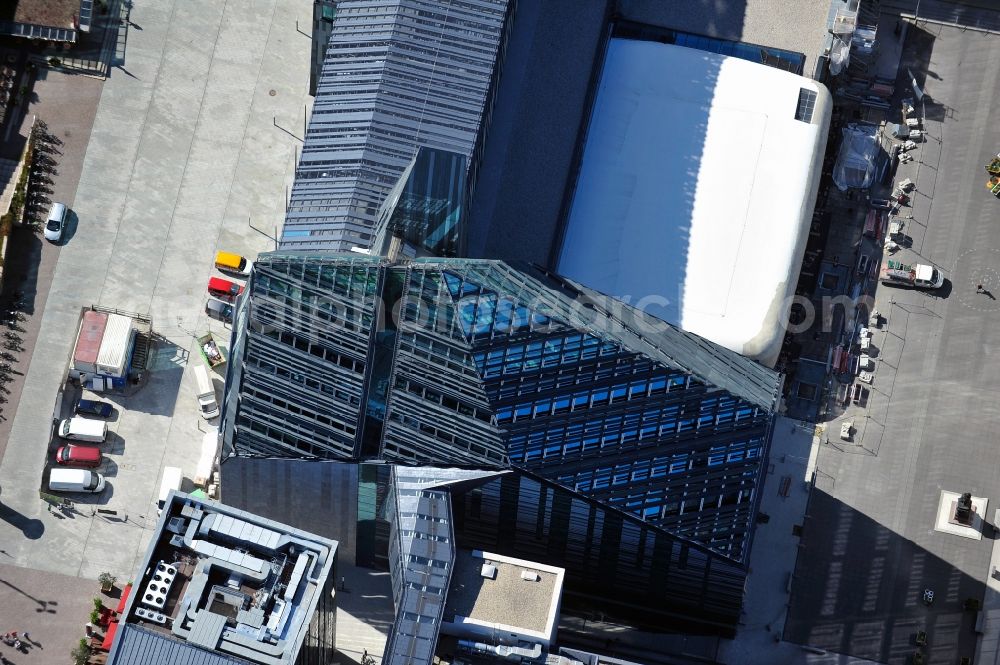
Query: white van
172	477
206	392
83	429
75	480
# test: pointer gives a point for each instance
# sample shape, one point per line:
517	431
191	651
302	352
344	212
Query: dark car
70	455
219	310
94	408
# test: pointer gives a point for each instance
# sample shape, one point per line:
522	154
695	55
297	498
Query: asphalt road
870	548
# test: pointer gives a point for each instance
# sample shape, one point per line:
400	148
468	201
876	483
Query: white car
56	222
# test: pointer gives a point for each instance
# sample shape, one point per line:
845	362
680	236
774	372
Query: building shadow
527	161
44	605
858	589
162	379
916	60
20	271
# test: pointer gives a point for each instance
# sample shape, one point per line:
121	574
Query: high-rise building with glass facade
426	207
474	363
397	75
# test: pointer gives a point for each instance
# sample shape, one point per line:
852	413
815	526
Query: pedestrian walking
979	288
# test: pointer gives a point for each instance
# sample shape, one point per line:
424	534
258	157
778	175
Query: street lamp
274	238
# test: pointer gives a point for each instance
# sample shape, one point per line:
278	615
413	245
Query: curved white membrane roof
696	191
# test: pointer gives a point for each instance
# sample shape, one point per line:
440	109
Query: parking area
872	544
194	139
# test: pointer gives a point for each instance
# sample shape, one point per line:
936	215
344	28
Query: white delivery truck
172	477
75	480
83	429
917	276
206	393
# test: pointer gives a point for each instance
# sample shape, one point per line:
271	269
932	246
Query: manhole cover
272	92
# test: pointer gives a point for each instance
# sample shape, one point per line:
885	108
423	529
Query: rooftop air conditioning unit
150	615
529	576
155	593
489	571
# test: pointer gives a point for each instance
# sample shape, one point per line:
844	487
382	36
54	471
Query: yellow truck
233	264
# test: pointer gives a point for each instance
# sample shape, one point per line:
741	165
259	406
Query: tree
107	581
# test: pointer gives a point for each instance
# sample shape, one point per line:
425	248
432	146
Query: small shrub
95	617
17	200
81	653
54	62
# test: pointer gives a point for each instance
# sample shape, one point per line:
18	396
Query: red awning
109	637
88	342
124	599
870	223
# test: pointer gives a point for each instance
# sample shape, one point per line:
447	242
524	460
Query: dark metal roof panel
138	646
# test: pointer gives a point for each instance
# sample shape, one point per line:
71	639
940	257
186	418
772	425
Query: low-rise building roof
55	13
494	590
219	585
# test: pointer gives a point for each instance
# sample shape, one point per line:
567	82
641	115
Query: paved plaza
53	609
870	548
194	139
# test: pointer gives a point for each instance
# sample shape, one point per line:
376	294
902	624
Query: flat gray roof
222	581
507	599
